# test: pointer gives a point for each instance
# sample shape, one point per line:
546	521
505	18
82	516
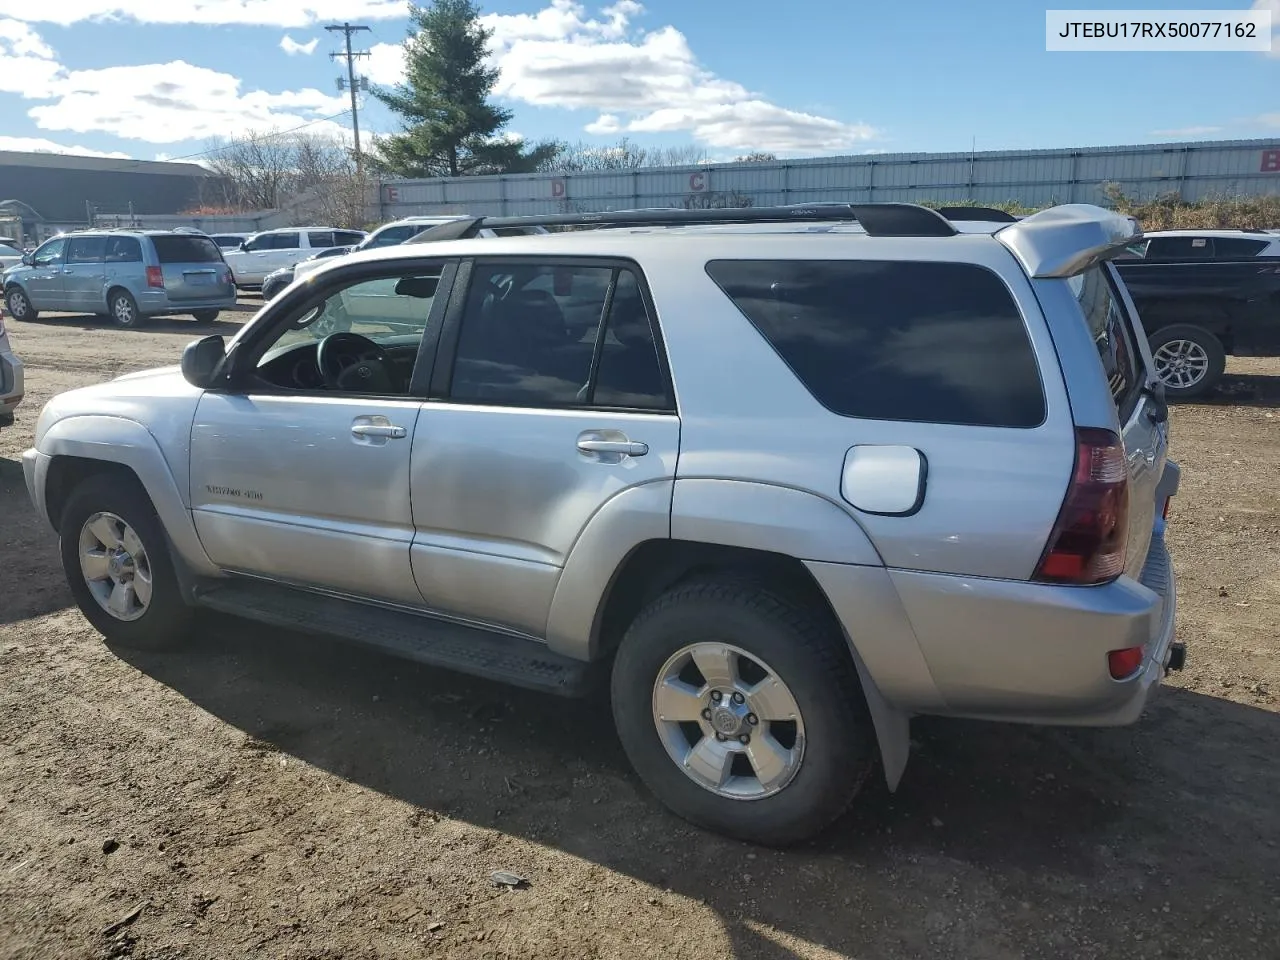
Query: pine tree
450	127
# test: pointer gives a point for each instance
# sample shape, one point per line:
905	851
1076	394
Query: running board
435	642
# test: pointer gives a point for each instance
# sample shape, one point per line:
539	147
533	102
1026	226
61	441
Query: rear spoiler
1068	239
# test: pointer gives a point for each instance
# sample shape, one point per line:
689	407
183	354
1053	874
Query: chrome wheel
728	721
1181	363
122	309
115	566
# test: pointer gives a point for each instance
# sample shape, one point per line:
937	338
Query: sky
160	79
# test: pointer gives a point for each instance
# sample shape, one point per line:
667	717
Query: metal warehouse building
1193	171
56	190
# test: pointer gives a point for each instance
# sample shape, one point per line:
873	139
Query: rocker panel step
438	643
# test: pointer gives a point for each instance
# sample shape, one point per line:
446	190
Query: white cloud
1274	7
641	82
154	103
273	13
294	47
40	145
1183	133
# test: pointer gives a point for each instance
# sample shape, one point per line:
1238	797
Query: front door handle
386	431
624	448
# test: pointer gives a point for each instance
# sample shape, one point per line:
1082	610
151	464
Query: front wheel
116	560
20	307
1189	360
205	316
742	712
124	309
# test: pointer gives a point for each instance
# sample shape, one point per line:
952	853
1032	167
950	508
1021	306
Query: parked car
9	256
1203	295
11	379
795	487
266	252
128	275
229	241
279	279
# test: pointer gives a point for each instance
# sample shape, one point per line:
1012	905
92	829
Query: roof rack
877	219
977	214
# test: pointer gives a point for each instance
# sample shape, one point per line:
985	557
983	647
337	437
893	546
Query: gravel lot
282	796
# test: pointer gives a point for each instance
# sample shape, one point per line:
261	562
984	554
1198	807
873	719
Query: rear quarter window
894	340
182	249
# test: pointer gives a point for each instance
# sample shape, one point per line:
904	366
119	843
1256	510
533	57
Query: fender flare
129	444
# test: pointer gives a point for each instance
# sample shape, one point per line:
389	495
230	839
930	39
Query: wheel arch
84	446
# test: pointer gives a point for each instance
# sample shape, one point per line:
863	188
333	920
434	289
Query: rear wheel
124	309
1189	360
20	307
116	560
742	712
205	316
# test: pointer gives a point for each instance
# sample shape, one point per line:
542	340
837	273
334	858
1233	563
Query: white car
266	252
229	241
9	256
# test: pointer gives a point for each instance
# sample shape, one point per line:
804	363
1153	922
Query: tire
165	620
1197	349
123	309
805	652
19	304
269	291
205	316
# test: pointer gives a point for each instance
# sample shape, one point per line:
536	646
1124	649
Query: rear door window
86	249
177	248
1105	318
1236	248
123	250
894	340
320	238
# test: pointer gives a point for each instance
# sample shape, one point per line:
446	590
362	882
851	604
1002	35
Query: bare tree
623	155
312	176
760	156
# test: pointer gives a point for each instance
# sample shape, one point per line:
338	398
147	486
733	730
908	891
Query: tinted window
1180	248
933	342
177	248
321	238
347	238
1231	248
51	252
629	374
228	243
530	333
285	241
393	236
86	249
123	250
1105	318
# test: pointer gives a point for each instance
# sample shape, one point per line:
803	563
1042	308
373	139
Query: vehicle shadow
27	544
1241	390
995	827
178	323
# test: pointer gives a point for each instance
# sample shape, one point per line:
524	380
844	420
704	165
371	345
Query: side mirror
201	359
244	246
28	259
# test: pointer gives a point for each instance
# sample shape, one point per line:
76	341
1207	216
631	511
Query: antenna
350	82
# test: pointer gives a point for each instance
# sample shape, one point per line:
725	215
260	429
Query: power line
347	29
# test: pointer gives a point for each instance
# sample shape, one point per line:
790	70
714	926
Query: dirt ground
281	796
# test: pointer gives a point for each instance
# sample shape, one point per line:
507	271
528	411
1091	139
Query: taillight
1088	541
155	277
1124	663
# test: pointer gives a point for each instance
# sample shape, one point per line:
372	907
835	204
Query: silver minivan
128	275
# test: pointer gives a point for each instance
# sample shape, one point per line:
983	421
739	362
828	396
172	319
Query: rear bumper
1037	653
159	302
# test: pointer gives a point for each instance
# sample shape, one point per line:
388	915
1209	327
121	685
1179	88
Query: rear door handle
625	448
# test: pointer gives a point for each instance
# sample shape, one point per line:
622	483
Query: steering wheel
348	361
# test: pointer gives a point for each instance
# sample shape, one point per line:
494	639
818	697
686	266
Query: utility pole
347	29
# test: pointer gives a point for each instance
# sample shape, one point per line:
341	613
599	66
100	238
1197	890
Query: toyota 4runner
810	471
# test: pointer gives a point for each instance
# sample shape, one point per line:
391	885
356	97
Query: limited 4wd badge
234	492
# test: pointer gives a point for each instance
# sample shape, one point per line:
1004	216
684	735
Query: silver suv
11	379
128	275
809	472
